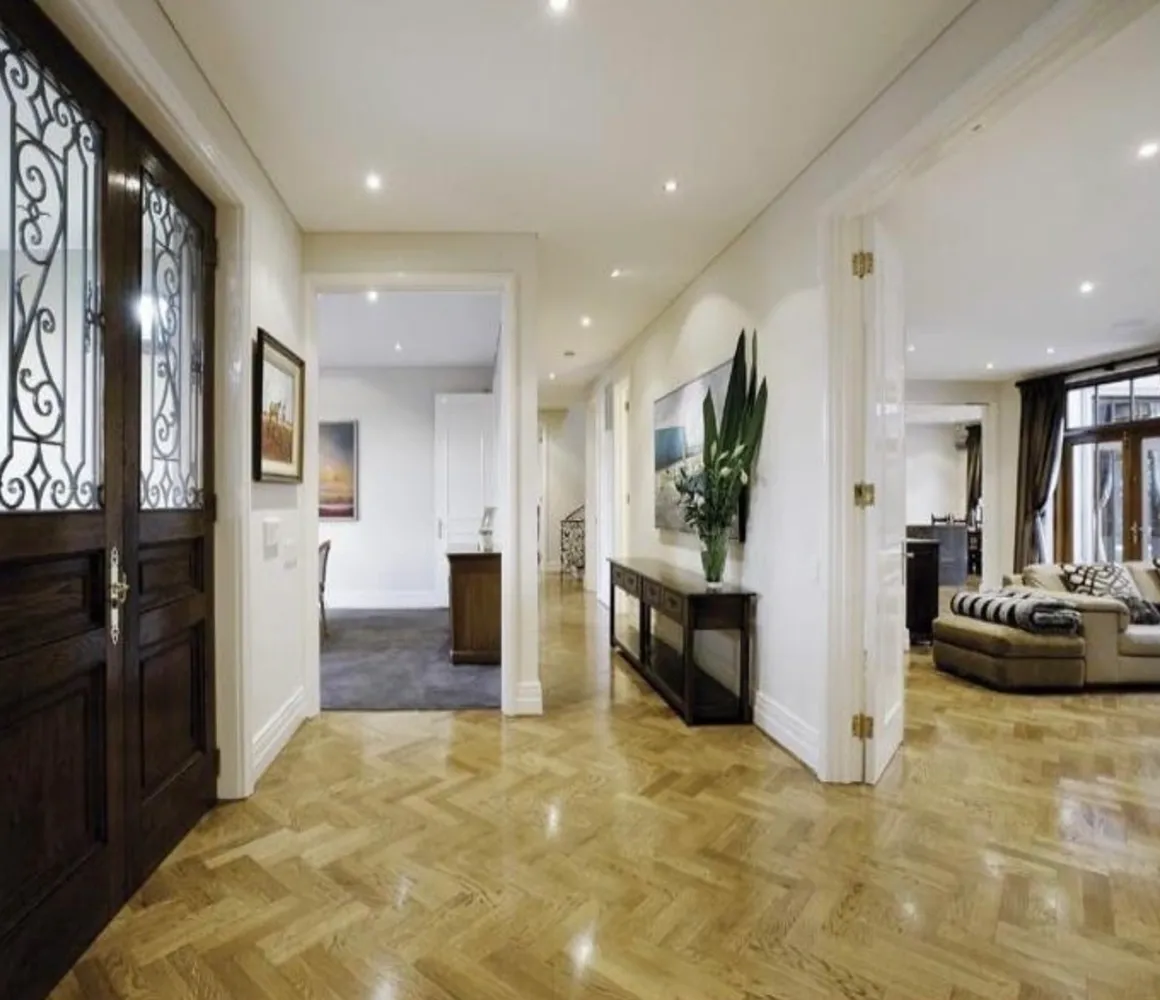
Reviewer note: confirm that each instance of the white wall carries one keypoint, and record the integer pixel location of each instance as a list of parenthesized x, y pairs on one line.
[(565, 439), (263, 604), (509, 262), (387, 558), (769, 280), (936, 473)]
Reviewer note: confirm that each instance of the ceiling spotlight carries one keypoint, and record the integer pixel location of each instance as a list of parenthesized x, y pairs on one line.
[(585, 321), (569, 354), (670, 186), (558, 6), (990, 366), (398, 346), (1148, 150), (372, 296), (374, 182), (1051, 350), (551, 376), (910, 349), (1087, 287), (616, 272)]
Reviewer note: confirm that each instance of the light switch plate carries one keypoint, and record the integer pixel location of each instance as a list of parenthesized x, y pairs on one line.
[(271, 529)]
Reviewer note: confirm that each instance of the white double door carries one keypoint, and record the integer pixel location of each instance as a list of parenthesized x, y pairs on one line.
[(465, 473)]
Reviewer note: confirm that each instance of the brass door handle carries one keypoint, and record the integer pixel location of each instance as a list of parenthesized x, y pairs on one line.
[(118, 594)]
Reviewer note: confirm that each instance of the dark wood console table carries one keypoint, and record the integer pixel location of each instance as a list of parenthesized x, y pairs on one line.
[(682, 597)]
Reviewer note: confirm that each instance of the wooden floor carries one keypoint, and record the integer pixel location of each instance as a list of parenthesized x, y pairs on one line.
[(1012, 853)]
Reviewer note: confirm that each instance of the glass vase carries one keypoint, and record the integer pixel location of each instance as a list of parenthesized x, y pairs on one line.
[(714, 548)]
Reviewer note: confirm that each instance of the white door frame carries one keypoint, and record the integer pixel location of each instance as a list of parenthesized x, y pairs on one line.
[(1066, 32), (605, 521), (506, 479)]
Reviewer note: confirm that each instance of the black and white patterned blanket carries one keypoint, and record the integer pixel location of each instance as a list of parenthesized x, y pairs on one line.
[(1029, 612)]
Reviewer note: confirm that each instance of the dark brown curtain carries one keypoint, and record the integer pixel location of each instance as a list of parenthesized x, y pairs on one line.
[(974, 470), (1040, 440)]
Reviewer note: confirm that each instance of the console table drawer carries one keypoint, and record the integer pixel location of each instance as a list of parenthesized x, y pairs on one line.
[(626, 581), (651, 593), (672, 606)]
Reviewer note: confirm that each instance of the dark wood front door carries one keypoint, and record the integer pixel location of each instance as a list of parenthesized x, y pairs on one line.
[(106, 671)]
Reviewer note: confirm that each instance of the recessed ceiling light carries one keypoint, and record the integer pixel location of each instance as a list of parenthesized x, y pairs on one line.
[(558, 6), (372, 296), (616, 272), (910, 349), (398, 346), (1087, 287), (551, 376), (1148, 150), (990, 366), (670, 185), (585, 321), (1051, 350), (374, 182), (569, 354)]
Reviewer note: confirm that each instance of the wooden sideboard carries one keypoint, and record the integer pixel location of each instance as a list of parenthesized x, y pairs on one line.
[(682, 597), (476, 608)]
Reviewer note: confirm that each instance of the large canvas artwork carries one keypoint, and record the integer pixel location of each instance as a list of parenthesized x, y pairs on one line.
[(279, 402), (338, 470), (678, 436)]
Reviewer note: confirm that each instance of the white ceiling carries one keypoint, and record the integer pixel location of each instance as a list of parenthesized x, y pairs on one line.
[(998, 237), (498, 116), (408, 329)]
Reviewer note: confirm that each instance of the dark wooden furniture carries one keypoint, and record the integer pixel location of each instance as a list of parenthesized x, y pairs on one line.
[(107, 507), (952, 553), (695, 695), (974, 551), (323, 561), (921, 588), (476, 611)]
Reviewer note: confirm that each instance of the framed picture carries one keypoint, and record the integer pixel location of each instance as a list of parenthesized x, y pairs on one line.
[(678, 437), (338, 470), (279, 406)]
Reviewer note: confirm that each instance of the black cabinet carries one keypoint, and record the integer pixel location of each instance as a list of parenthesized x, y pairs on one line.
[(922, 572)]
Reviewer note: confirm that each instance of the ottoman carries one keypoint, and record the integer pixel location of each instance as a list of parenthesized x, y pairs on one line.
[(1007, 658)]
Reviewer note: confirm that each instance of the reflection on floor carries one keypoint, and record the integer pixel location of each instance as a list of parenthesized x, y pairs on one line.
[(398, 660), (1011, 853)]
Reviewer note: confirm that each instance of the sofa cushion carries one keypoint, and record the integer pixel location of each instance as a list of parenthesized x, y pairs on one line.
[(1110, 580), (1140, 640), (1147, 578), (1044, 576), (1029, 610), (1000, 640)]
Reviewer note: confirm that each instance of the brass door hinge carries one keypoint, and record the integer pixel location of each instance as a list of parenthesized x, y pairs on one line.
[(862, 726), (864, 494), (862, 263)]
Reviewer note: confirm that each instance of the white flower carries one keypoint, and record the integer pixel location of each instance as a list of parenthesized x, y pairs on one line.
[(744, 478), (738, 450)]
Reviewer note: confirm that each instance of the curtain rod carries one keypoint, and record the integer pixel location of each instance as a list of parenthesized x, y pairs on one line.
[(1110, 366)]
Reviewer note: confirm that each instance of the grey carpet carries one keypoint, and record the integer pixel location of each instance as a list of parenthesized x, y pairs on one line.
[(399, 660)]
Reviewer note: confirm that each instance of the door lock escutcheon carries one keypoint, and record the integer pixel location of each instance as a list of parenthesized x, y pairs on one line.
[(118, 594)]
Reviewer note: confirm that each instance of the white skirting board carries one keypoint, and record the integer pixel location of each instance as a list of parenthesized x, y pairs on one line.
[(274, 735), (383, 600), (529, 699), (787, 730)]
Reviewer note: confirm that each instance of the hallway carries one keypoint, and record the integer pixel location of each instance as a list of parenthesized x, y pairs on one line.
[(1011, 853)]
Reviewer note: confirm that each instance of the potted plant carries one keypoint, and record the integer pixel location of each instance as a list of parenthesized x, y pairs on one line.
[(710, 493)]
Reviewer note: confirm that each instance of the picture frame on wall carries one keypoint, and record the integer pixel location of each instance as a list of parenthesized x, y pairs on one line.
[(338, 470), (279, 407)]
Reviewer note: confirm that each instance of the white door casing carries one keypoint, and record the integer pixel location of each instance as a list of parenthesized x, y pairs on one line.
[(465, 462), (884, 562), (606, 482)]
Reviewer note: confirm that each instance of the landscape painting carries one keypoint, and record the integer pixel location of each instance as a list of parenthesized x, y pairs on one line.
[(678, 437), (278, 408), (338, 470)]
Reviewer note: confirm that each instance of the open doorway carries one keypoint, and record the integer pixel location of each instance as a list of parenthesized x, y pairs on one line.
[(409, 596), (612, 481)]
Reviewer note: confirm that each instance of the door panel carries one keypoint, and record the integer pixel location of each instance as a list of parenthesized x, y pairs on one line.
[(171, 768), (1146, 521), (61, 763), (885, 558)]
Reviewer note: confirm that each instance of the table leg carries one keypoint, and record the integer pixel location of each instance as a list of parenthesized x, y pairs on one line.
[(746, 706), (644, 626), (612, 613), (690, 668)]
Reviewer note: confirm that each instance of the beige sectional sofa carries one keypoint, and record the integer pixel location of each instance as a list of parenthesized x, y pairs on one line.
[(1110, 651)]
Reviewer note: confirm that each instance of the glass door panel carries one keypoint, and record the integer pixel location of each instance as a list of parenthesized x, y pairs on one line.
[(1096, 521), (1146, 527)]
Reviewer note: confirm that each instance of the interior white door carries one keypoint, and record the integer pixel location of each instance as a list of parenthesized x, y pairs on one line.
[(606, 476), (885, 536), (464, 473)]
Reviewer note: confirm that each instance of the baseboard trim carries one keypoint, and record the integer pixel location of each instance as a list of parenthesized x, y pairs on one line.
[(529, 699), (384, 600), (788, 730), (270, 740)]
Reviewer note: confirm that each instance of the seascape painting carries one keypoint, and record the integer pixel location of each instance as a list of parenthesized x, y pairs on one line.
[(338, 470)]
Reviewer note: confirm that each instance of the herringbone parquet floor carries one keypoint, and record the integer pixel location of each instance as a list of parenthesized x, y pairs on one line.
[(1012, 853)]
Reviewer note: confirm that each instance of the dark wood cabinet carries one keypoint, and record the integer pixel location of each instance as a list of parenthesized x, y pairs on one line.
[(922, 580), (681, 597), (476, 608)]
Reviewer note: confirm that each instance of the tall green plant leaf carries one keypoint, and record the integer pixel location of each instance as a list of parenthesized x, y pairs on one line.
[(711, 444), (734, 412)]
